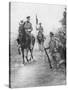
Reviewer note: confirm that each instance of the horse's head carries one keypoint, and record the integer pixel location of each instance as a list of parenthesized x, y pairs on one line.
[(18, 41), (40, 35)]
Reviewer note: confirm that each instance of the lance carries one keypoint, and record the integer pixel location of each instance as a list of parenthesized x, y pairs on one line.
[(48, 57), (36, 22)]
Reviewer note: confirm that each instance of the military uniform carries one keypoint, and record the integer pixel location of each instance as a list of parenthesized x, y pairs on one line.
[(40, 29), (28, 28), (52, 46), (53, 51), (40, 32), (40, 38)]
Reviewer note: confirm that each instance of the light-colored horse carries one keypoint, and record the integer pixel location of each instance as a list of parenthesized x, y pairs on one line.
[(40, 39)]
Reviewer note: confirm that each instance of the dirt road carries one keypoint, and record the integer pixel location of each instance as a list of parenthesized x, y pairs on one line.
[(35, 73)]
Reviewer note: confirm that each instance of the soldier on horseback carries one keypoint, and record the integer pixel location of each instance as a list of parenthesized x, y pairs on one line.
[(25, 39), (40, 36), (28, 26), (20, 33), (40, 28)]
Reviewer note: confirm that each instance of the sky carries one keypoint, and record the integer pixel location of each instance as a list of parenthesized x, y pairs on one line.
[(48, 14)]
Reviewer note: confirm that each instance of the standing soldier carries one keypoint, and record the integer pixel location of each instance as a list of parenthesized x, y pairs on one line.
[(55, 49), (28, 26), (52, 49)]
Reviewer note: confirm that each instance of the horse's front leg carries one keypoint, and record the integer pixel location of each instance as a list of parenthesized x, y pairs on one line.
[(23, 56), (39, 46), (31, 51), (19, 50), (42, 46), (27, 55)]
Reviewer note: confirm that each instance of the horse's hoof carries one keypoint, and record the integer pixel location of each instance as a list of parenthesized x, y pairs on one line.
[(23, 63), (28, 61), (50, 67), (33, 60), (19, 53)]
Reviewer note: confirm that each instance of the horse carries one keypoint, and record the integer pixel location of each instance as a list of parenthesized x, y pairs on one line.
[(26, 43), (40, 39)]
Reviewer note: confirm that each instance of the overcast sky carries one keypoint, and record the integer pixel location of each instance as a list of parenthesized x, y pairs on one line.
[(48, 14)]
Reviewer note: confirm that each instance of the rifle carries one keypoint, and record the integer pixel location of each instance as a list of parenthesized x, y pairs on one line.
[(48, 57)]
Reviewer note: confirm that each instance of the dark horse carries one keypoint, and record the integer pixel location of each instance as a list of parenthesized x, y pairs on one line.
[(26, 42), (40, 39)]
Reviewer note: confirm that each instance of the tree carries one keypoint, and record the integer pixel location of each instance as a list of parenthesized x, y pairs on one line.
[(63, 21)]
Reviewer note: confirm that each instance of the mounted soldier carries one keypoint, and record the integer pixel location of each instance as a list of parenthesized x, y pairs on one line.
[(27, 40), (40, 36), (20, 34), (40, 28), (28, 26)]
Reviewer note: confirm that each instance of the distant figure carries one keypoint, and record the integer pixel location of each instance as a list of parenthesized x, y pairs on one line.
[(40, 37), (20, 29), (20, 34), (40, 28)]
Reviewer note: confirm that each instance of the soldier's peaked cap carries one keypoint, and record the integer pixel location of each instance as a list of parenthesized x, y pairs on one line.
[(51, 33), (28, 17)]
